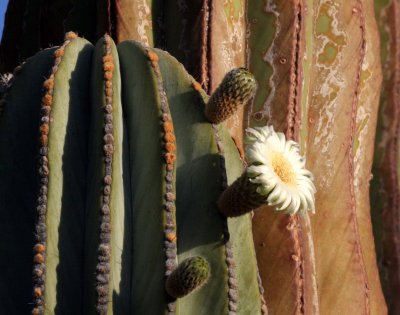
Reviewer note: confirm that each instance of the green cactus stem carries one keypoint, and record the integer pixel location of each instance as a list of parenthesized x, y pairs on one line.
[(191, 275), (130, 172), (236, 89)]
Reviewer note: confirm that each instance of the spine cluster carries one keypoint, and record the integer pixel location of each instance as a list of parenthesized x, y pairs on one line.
[(39, 267), (236, 89), (169, 155), (104, 249)]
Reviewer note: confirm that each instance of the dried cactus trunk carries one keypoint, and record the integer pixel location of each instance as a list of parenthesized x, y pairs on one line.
[(330, 106)]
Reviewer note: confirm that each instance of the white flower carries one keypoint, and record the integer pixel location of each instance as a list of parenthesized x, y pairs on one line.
[(277, 168)]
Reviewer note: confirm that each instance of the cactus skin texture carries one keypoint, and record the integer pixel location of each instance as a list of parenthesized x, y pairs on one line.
[(236, 89), (190, 275), (123, 200)]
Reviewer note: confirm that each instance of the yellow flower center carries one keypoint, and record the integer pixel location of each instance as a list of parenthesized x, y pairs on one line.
[(283, 169)]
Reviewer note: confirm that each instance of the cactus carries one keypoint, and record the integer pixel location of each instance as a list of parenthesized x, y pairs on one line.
[(301, 53), (123, 198)]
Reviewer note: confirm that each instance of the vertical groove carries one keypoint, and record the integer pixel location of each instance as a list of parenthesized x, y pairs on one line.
[(205, 45), (360, 11), (104, 249), (210, 82), (39, 266), (169, 155), (292, 133)]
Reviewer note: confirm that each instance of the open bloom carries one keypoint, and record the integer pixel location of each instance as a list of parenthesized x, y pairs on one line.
[(276, 167)]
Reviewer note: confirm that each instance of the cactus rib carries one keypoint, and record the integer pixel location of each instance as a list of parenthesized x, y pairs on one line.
[(170, 157), (104, 249), (229, 258), (233, 294), (39, 267)]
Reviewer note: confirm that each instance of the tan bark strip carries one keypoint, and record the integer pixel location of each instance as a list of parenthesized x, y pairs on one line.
[(169, 155), (39, 265), (104, 250), (360, 11)]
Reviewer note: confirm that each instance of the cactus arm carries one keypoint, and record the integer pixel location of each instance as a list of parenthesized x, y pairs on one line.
[(19, 125), (67, 158), (142, 108)]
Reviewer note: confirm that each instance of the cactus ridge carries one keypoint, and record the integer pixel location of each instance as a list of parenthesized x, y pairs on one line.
[(236, 89), (191, 274), (39, 267), (104, 248), (233, 294), (169, 154)]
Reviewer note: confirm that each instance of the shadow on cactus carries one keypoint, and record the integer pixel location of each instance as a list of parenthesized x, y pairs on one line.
[(120, 191)]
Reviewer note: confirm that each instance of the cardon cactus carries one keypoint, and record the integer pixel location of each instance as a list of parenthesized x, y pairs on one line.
[(318, 72), (106, 151)]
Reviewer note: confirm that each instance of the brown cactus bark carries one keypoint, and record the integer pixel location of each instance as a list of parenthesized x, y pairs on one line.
[(323, 91)]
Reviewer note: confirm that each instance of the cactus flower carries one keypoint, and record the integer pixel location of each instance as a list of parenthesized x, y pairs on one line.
[(278, 169), (275, 175)]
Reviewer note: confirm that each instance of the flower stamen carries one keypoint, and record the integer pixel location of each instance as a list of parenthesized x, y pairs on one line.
[(283, 169)]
